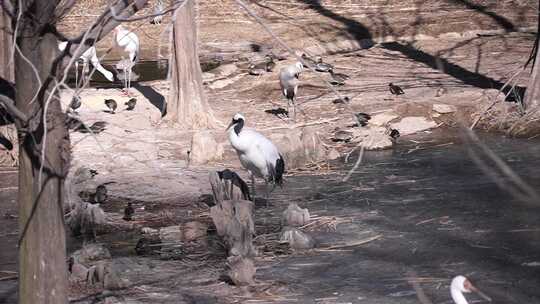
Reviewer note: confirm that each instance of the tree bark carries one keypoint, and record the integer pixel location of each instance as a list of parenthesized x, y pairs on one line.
[(42, 251), (6, 71), (187, 104), (532, 94)]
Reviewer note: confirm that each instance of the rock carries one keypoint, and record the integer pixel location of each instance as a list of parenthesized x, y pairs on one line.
[(86, 219), (444, 108), (382, 119), (194, 230), (342, 135), (372, 138), (225, 70), (91, 253), (112, 300), (296, 239), (413, 124), (204, 148), (78, 272), (314, 150), (294, 216), (148, 230), (220, 84), (333, 154), (171, 234), (241, 270), (290, 146)]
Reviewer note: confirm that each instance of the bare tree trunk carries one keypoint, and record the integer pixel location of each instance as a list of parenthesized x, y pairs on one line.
[(42, 252), (532, 94), (6, 72), (187, 103)]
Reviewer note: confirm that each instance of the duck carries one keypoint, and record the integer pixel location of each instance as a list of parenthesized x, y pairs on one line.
[(395, 90)]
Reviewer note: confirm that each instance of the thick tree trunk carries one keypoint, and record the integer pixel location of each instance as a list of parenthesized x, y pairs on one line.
[(532, 94), (42, 252), (187, 103)]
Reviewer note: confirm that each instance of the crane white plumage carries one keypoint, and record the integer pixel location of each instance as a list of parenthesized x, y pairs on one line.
[(288, 80), (89, 55), (129, 43), (460, 285), (257, 154)]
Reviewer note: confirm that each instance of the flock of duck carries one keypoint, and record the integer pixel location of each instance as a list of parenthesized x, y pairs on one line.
[(257, 154)]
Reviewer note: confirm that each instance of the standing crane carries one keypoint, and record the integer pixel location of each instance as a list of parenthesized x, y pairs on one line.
[(257, 154), (89, 56), (288, 80), (129, 43)]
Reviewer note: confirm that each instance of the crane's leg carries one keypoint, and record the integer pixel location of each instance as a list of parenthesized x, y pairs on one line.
[(267, 193), (253, 187), (129, 79), (125, 79), (76, 74)]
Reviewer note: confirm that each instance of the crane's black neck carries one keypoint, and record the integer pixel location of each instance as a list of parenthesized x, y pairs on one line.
[(239, 124)]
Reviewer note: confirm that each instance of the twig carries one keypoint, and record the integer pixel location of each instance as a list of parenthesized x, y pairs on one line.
[(362, 242), (358, 161)]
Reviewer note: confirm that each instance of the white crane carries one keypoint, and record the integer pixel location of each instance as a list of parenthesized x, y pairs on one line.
[(460, 285), (89, 55), (129, 43), (288, 80), (257, 154)]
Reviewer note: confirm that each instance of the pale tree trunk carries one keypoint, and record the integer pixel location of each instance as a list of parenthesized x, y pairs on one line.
[(6, 71), (42, 252), (187, 104), (532, 94)]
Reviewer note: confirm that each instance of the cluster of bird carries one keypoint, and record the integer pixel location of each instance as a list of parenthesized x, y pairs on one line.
[(125, 40)]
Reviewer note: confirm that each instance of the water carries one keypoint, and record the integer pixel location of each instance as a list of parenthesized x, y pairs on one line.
[(437, 215)]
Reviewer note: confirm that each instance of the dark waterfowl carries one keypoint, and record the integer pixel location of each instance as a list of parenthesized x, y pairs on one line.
[(111, 104), (362, 119), (101, 194), (345, 99), (75, 102), (131, 104), (337, 78), (321, 66), (394, 134), (395, 90), (128, 212)]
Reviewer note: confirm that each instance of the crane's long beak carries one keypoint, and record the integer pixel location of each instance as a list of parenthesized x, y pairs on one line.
[(479, 292), (229, 126)]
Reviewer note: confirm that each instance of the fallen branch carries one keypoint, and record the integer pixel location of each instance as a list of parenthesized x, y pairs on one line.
[(362, 242)]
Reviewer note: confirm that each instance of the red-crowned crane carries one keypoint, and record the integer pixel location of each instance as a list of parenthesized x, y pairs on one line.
[(288, 80), (460, 285), (257, 154)]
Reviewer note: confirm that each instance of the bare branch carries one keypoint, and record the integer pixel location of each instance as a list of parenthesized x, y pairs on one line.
[(63, 7), (172, 8), (7, 7), (105, 23), (9, 104)]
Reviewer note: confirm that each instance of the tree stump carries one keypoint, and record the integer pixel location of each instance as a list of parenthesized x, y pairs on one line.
[(227, 185), (234, 223), (294, 216)]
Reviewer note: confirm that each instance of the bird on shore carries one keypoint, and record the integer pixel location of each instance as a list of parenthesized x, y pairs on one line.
[(311, 62), (131, 104), (75, 102), (111, 104), (460, 285), (100, 196), (345, 99), (337, 78), (288, 80), (158, 9), (128, 212), (395, 90), (394, 134), (235, 180), (96, 128), (270, 64), (362, 119), (89, 56), (129, 43), (321, 66), (257, 154)]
